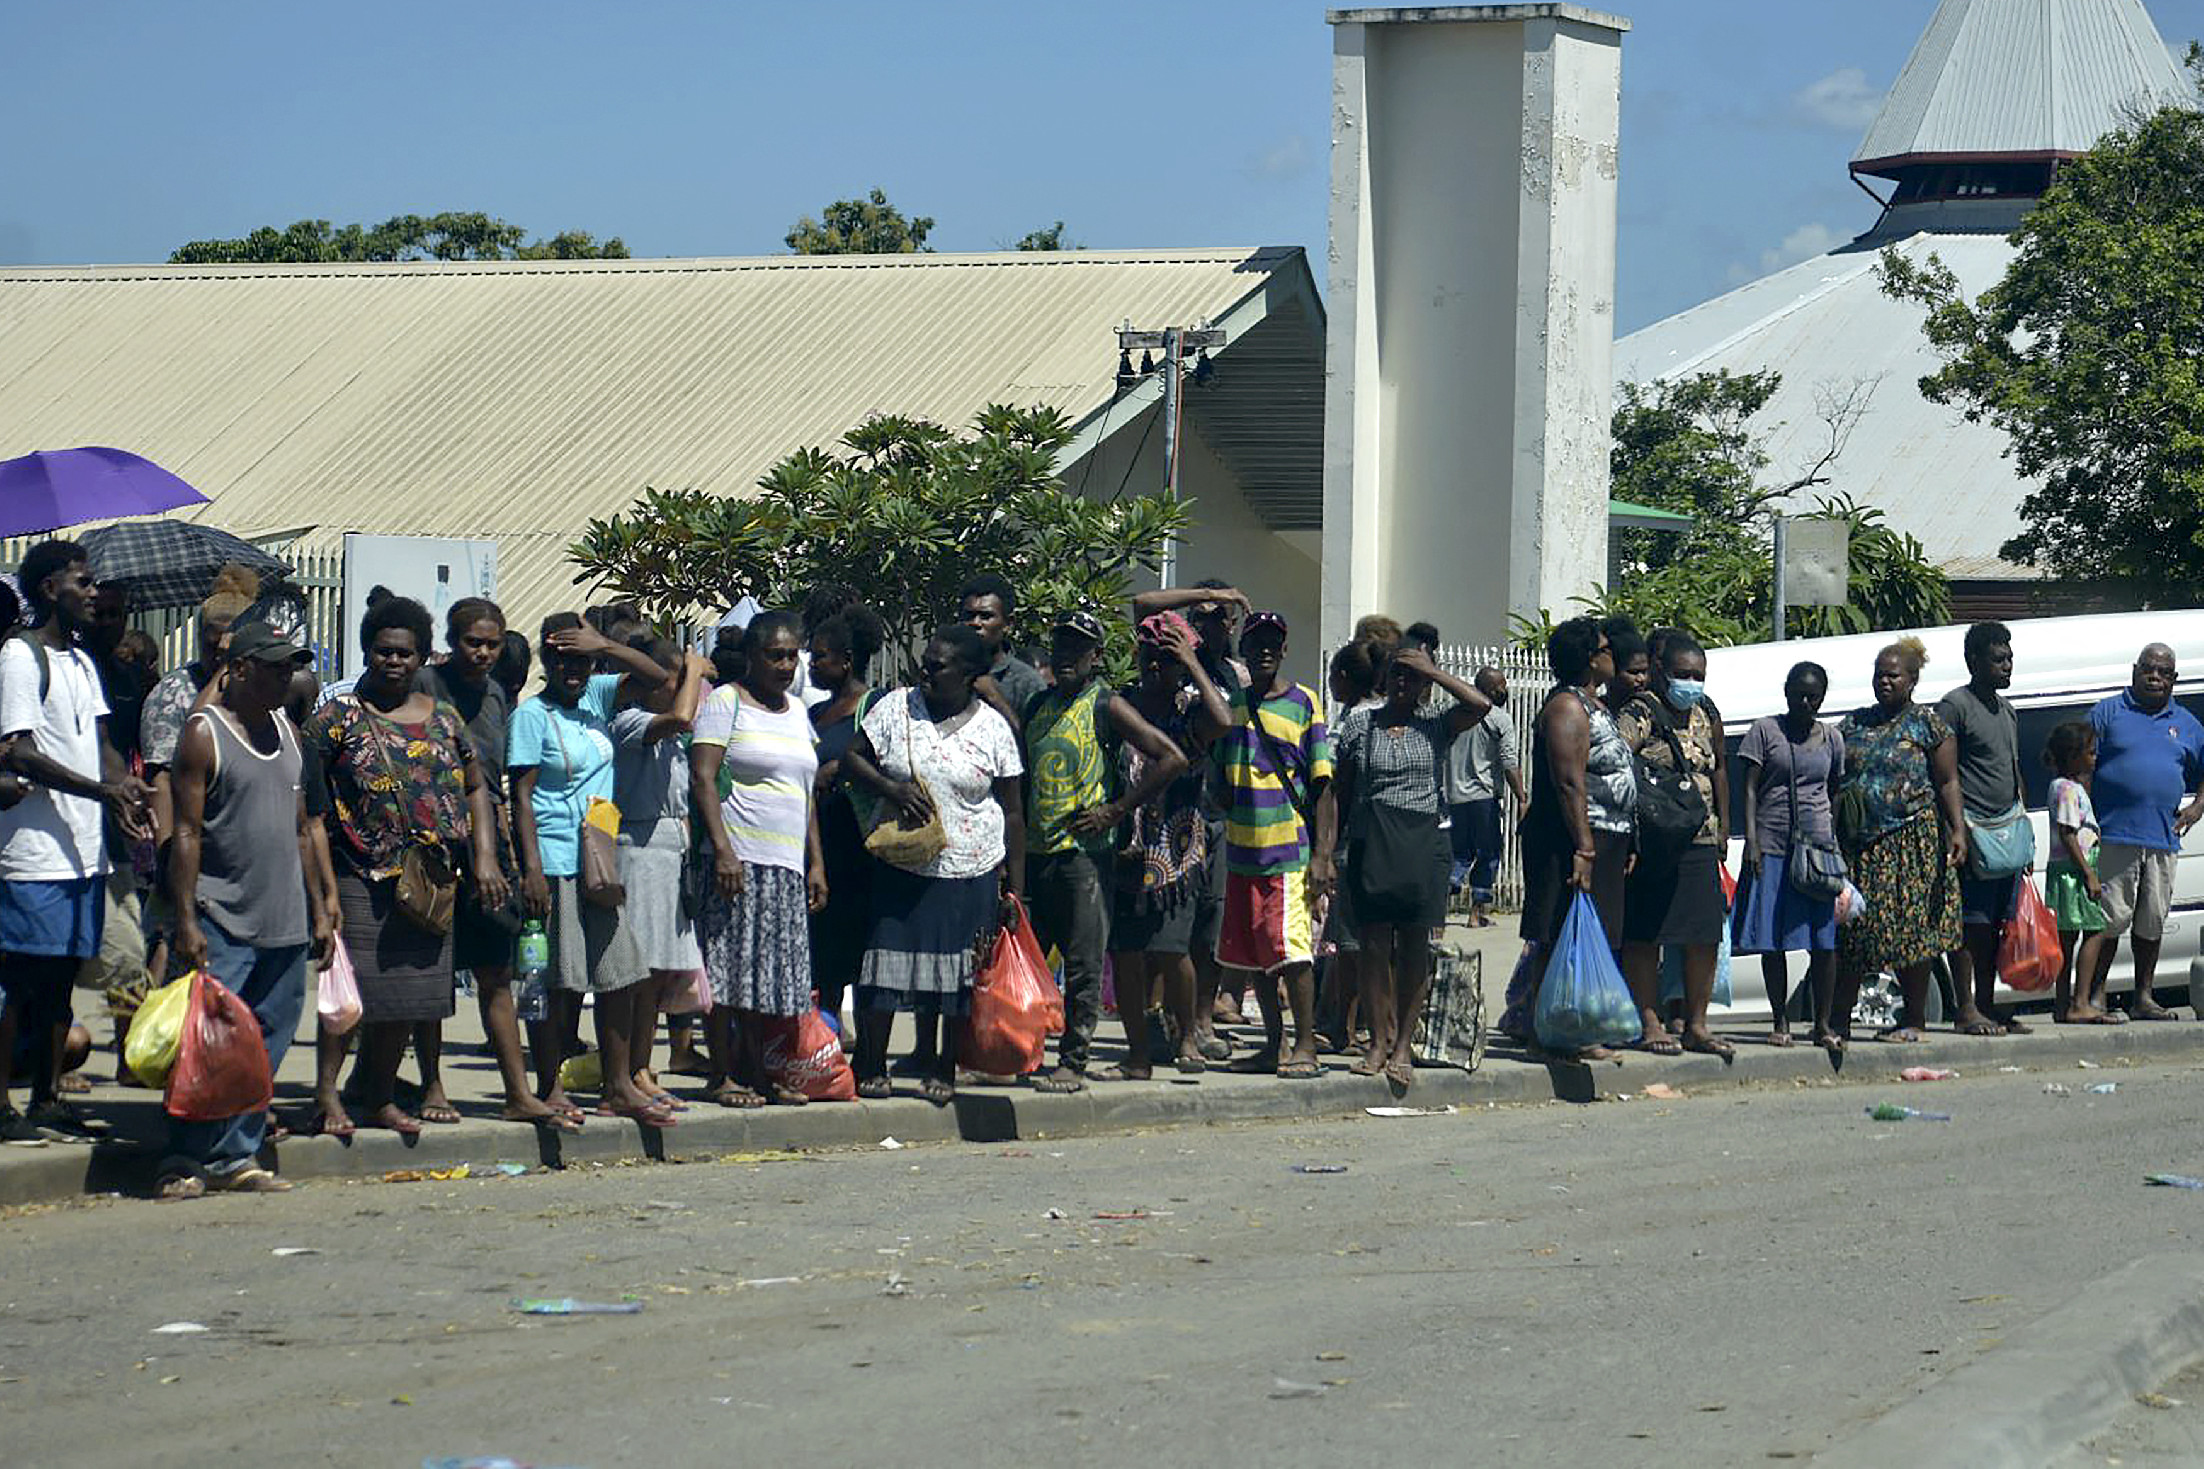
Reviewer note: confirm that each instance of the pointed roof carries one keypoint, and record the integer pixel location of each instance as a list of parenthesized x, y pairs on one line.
[(2020, 79)]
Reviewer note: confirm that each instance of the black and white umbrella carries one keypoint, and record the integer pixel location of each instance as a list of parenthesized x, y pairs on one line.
[(171, 563)]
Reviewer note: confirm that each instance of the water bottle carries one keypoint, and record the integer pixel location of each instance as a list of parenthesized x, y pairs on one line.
[(535, 951)]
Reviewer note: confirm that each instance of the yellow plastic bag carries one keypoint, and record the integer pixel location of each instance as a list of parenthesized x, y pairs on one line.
[(583, 1073), (157, 1032)]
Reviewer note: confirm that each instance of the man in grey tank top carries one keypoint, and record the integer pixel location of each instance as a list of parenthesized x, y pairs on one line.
[(237, 870)]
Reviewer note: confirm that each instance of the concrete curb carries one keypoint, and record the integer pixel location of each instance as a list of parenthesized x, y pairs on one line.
[(986, 1114), (2054, 1382)]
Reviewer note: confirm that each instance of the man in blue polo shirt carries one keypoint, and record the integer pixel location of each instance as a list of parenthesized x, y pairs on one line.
[(2150, 755)]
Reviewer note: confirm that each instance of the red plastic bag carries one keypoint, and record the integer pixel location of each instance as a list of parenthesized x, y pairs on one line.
[(1729, 885), (222, 1066), (1016, 1006), (2029, 958), (803, 1054)]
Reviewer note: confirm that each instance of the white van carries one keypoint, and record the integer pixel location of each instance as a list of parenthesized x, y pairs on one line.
[(2061, 667)]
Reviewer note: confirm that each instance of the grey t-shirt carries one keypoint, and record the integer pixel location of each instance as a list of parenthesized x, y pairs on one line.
[(1769, 748), (1989, 751), (1019, 681), (650, 779)]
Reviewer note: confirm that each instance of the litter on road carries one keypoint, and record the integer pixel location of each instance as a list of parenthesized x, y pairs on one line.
[(179, 1328), (1285, 1388), (1320, 1168), (285, 1252), (1446, 1111), (2103, 1088), (1927, 1073), (1661, 1091), (1892, 1112), (2057, 1089), (890, 1144), (2173, 1180), (568, 1306)]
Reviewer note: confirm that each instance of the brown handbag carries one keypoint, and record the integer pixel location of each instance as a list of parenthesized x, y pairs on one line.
[(427, 890), (908, 847), (599, 878)]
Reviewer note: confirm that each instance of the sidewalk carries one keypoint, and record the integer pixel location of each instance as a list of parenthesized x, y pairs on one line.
[(127, 1163)]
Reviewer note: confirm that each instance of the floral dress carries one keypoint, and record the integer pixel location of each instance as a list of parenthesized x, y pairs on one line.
[(393, 784), (1894, 843)]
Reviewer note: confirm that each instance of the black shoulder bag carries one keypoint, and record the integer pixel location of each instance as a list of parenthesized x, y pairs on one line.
[(1814, 869), (1671, 812)]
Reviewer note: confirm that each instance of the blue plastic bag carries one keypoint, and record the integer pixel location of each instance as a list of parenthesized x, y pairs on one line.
[(1672, 971), (1582, 1001)]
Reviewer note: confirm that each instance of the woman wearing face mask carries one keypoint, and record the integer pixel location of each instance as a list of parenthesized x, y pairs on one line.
[(1675, 897), (1904, 834), (1792, 762)]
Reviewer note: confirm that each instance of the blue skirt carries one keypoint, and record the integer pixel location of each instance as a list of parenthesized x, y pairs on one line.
[(1771, 917)]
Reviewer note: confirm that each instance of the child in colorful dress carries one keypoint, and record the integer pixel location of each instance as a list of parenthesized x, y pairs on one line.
[(2070, 886)]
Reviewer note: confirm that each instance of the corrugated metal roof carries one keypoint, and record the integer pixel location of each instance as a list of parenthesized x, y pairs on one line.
[(2021, 77), (1826, 325), (516, 399)]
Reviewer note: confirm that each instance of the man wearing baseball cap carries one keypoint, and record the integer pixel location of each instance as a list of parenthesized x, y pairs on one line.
[(237, 870), (1072, 735), (1276, 758)]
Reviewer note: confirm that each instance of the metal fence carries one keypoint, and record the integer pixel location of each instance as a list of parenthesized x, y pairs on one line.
[(316, 576), (1527, 683)]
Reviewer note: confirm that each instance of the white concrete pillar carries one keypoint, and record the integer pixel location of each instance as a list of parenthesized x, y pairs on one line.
[(1471, 310)]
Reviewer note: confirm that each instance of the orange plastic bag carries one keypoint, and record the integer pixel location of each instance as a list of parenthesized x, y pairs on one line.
[(1729, 885), (1016, 1006), (2029, 958), (222, 1066), (803, 1054)]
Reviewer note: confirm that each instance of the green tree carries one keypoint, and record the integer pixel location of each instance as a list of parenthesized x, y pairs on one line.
[(448, 236), (905, 511), (2086, 354), (1051, 238), (868, 226), (1690, 445)]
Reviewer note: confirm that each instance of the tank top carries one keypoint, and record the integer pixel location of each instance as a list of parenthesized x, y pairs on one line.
[(249, 878), (1610, 783)]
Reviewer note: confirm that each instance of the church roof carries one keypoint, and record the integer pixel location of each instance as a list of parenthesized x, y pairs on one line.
[(2020, 79)]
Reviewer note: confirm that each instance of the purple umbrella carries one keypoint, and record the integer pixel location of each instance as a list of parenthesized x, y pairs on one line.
[(59, 487)]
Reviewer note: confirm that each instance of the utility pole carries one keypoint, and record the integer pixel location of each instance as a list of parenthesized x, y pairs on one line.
[(1176, 343), (1782, 558)]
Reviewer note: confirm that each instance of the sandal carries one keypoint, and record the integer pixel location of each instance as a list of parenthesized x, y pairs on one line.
[(251, 1179), (871, 1089), (1300, 1070), (941, 1093), (1899, 1035), (735, 1094), (786, 1096), (179, 1186), (2151, 1011), (320, 1125), (1119, 1073), (1193, 1065), (1658, 1043), (1401, 1074), (1061, 1082)]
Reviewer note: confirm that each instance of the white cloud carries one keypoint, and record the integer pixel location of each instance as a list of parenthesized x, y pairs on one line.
[(1842, 99), (1803, 243), (1288, 158)]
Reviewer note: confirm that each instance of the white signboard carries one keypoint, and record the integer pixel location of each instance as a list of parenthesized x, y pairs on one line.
[(433, 571), (1817, 562)]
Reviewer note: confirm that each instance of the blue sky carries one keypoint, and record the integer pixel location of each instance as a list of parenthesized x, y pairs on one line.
[(705, 129)]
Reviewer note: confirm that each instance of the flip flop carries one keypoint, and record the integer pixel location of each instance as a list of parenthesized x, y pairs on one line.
[(319, 1125), (2154, 1012), (1190, 1065), (1899, 1035), (1982, 1028), (1662, 1044), (251, 1180), (739, 1097), (1401, 1074), (1300, 1070), (1118, 1073), (1364, 1066), (1781, 1039), (1060, 1085), (181, 1186), (645, 1116), (443, 1115), (1255, 1063), (1721, 1048)]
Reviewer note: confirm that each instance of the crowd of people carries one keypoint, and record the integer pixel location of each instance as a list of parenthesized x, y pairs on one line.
[(733, 843), (1878, 844)]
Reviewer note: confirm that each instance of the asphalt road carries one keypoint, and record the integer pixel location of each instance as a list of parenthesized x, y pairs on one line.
[(1709, 1280)]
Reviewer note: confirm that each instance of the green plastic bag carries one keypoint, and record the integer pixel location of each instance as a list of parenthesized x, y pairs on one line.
[(157, 1032)]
